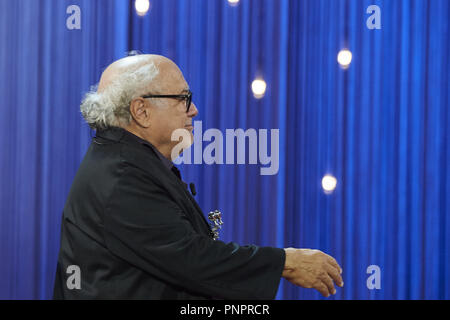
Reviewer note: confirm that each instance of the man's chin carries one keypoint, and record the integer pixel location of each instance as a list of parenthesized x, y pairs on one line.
[(184, 138)]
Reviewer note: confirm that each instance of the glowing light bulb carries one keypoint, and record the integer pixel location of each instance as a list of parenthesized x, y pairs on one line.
[(259, 88), (329, 183), (233, 2), (344, 58), (142, 7)]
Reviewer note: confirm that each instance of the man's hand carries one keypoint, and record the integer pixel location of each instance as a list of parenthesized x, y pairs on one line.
[(312, 269)]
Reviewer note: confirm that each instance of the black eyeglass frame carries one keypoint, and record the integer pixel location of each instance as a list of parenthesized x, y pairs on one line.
[(187, 97)]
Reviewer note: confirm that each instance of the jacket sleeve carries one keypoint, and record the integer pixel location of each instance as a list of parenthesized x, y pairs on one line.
[(145, 227)]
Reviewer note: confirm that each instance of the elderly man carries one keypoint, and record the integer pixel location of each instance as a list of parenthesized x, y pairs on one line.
[(131, 229)]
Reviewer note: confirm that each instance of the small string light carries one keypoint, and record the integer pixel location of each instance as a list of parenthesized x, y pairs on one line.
[(259, 88), (329, 183), (344, 58), (142, 7)]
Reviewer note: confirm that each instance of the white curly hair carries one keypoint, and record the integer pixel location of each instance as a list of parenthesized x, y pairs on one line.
[(111, 106)]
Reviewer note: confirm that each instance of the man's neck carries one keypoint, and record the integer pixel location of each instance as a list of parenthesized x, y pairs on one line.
[(165, 150)]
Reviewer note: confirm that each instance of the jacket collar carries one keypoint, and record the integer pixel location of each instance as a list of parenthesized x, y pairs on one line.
[(119, 134)]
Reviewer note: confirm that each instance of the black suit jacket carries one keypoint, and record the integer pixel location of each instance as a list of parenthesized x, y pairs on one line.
[(135, 232)]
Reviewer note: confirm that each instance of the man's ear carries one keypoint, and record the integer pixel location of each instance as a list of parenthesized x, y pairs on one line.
[(140, 111)]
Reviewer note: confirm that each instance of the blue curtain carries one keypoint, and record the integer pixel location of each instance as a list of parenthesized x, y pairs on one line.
[(380, 127)]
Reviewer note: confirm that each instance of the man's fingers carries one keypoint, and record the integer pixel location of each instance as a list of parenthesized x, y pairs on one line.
[(335, 275), (334, 263), (322, 288), (329, 283)]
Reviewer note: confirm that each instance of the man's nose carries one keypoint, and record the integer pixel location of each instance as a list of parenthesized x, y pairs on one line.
[(193, 111)]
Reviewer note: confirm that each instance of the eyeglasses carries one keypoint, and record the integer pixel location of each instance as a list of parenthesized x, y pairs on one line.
[(187, 97)]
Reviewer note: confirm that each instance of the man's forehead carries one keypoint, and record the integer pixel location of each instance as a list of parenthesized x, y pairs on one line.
[(170, 78)]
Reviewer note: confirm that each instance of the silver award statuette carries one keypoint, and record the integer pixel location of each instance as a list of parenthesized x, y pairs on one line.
[(216, 222)]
